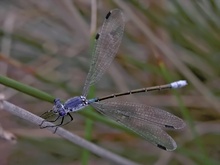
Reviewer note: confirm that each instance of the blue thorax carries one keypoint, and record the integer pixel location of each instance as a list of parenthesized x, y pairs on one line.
[(71, 105)]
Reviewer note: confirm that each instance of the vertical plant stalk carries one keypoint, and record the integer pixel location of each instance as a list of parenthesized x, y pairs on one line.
[(89, 122)]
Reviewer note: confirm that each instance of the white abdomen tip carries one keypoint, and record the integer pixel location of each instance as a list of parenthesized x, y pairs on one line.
[(178, 84)]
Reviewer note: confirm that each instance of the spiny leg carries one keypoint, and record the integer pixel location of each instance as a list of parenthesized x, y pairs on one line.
[(71, 119), (46, 116), (55, 125), (58, 125), (46, 112), (50, 121), (61, 123)]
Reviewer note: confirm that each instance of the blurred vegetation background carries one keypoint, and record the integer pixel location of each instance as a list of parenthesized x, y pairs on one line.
[(47, 44)]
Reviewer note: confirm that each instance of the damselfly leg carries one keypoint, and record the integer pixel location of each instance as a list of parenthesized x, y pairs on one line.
[(56, 119)]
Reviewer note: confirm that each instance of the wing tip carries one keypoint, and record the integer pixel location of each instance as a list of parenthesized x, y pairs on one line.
[(97, 36), (161, 147), (168, 146), (180, 125), (108, 15), (114, 11), (170, 126), (167, 149)]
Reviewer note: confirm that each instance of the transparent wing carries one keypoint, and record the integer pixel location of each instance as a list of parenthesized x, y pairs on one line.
[(48, 114), (106, 47), (144, 120)]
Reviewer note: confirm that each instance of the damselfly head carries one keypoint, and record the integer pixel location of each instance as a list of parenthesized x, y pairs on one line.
[(58, 108)]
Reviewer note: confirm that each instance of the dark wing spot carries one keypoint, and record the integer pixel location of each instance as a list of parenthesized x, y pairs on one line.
[(125, 115), (97, 36), (107, 16), (162, 147), (169, 126)]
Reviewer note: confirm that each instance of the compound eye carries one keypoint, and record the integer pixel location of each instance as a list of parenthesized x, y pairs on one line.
[(56, 100), (58, 106)]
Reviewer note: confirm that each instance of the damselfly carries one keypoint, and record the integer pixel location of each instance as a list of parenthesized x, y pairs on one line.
[(144, 120)]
